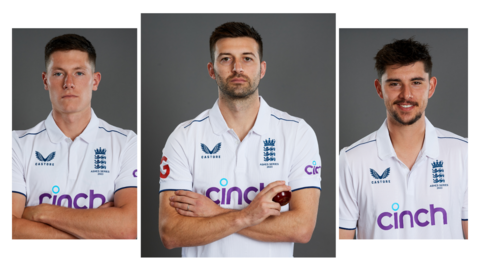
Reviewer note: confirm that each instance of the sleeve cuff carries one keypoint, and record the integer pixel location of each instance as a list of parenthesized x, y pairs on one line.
[(19, 188), (123, 183), (305, 183), (175, 185), (465, 214), (347, 224)]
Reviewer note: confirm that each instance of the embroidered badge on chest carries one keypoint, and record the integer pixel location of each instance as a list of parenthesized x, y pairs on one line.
[(44, 161), (211, 153), (100, 161), (438, 175), (269, 156), (380, 179)]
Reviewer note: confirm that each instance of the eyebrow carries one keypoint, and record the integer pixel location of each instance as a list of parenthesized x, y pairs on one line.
[(412, 79), (245, 53)]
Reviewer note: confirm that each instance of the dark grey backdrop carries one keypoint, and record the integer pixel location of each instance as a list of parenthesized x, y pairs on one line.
[(300, 79), (362, 111), (115, 101)]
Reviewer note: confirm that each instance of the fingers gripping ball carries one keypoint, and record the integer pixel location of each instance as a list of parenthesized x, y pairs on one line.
[(283, 197)]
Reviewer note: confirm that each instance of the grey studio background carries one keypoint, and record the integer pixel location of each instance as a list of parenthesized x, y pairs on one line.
[(300, 79), (115, 101), (362, 111)]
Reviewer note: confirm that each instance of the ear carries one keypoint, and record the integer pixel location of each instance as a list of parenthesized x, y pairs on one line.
[(378, 86), (211, 71), (263, 69), (97, 77), (433, 85), (44, 79)]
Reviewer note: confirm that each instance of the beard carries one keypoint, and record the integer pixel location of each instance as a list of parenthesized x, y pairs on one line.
[(237, 92), (397, 117)]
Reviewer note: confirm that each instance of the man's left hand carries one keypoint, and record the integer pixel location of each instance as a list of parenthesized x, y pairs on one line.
[(192, 204)]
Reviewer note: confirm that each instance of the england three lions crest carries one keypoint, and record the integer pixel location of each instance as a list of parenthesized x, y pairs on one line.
[(269, 150), (437, 172), (100, 161)]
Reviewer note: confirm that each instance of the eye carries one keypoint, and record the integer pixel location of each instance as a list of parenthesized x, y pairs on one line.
[(56, 74), (393, 84), (417, 82), (248, 59), (79, 73), (225, 59)]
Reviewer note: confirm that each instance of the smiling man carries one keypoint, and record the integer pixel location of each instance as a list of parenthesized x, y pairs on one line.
[(408, 180), (220, 171), (74, 175)]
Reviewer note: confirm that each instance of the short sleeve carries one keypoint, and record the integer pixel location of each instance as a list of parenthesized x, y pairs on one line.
[(175, 172), (127, 177), (306, 162), (18, 175), (348, 206)]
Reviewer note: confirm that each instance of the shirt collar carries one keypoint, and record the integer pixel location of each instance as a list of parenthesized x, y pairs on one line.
[(430, 145), (261, 123), (56, 135)]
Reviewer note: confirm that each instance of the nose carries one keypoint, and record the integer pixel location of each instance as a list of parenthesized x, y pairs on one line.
[(237, 66), (68, 83), (407, 92)]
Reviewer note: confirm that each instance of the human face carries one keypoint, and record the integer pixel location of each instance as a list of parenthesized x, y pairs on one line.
[(70, 80), (237, 68), (405, 91)]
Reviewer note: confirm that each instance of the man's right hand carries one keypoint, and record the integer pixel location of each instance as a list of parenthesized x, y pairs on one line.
[(263, 205)]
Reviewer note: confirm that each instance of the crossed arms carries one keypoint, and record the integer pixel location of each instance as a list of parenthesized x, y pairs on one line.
[(117, 219), (206, 222)]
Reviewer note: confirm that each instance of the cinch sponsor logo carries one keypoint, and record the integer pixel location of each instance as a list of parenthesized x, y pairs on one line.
[(384, 220), (134, 173), (78, 202), (227, 194), (312, 169)]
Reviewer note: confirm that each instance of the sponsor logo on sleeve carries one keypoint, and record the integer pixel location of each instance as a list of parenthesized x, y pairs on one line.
[(312, 169), (135, 173), (164, 168), (44, 161)]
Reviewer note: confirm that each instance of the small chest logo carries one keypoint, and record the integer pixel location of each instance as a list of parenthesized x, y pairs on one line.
[(44, 161), (438, 175), (211, 154), (100, 161), (380, 179), (269, 150), (269, 153)]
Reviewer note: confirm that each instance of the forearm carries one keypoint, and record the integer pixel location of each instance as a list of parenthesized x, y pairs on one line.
[(181, 231), (26, 229), (105, 223), (346, 234)]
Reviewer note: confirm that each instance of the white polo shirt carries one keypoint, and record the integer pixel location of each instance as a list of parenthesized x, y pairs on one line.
[(204, 155), (49, 167), (382, 198)]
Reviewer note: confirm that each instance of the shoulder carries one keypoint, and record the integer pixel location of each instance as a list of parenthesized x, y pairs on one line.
[(451, 142), (191, 127), (361, 148), (283, 118), (115, 133), (29, 133)]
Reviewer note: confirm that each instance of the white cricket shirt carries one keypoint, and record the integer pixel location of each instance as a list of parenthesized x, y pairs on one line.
[(205, 156), (382, 198), (49, 167)]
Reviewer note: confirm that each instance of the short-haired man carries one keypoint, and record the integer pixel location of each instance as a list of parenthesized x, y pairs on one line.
[(408, 179), (219, 171), (74, 175)]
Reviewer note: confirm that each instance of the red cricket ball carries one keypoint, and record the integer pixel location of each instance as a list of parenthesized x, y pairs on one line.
[(282, 197)]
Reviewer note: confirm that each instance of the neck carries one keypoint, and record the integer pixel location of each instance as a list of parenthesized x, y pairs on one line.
[(72, 124), (407, 140), (240, 114)]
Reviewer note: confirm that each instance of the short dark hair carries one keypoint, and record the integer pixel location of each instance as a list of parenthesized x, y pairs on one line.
[(403, 52), (69, 42), (233, 30)]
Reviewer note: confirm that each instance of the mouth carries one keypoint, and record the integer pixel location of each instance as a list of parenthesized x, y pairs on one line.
[(69, 96), (405, 106), (238, 80)]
